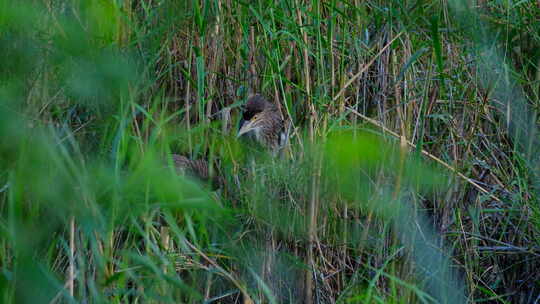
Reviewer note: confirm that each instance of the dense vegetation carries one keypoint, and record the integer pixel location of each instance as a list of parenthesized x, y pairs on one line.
[(411, 175)]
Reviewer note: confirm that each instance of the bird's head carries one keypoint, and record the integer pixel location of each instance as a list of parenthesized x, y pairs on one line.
[(253, 114), (256, 121), (255, 104)]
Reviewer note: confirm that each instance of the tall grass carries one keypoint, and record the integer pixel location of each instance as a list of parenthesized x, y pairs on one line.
[(411, 174)]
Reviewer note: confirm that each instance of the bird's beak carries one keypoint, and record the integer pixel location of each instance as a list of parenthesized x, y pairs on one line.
[(246, 127)]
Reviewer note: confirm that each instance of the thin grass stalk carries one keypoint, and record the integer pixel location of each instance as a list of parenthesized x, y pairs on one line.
[(254, 81), (228, 275), (216, 46), (308, 296), (187, 102), (364, 68), (71, 270), (426, 153)]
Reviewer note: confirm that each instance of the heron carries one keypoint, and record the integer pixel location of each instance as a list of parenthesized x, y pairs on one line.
[(261, 121)]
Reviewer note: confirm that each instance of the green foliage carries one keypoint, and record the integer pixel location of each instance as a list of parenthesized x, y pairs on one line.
[(95, 95)]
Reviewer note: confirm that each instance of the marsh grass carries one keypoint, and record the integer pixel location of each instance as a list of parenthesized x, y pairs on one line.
[(412, 174)]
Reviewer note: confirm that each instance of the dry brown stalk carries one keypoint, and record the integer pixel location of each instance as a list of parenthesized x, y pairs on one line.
[(71, 271), (314, 182), (366, 66), (426, 153), (247, 298)]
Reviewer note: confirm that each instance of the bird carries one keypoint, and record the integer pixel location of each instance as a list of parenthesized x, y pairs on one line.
[(261, 121), (197, 168)]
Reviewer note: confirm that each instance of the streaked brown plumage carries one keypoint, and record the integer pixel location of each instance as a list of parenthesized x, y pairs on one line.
[(262, 122), (196, 168)]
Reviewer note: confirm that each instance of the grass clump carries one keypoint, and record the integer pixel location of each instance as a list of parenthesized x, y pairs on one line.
[(411, 175)]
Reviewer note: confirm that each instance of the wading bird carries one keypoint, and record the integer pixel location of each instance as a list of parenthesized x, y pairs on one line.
[(261, 121)]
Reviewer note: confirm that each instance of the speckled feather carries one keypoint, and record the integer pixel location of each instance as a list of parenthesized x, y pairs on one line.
[(197, 168)]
